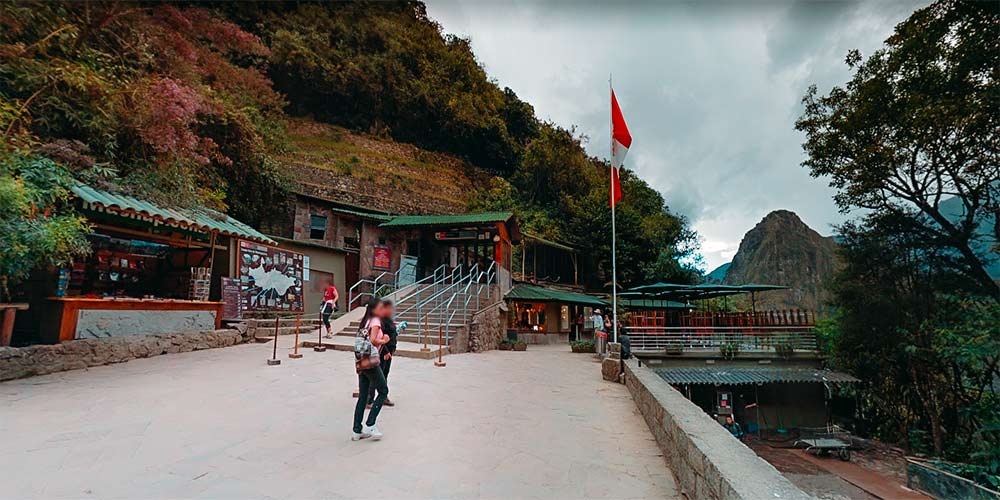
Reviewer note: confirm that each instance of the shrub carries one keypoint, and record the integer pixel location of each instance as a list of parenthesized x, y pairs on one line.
[(582, 346)]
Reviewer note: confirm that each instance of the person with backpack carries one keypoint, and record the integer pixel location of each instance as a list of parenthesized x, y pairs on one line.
[(390, 328), (367, 345)]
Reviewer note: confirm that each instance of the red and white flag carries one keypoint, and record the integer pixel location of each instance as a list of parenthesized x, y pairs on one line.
[(620, 142)]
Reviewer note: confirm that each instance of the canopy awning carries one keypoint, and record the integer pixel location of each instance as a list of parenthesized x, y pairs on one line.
[(198, 219), (740, 376), (531, 293), (681, 292), (457, 220), (641, 303)]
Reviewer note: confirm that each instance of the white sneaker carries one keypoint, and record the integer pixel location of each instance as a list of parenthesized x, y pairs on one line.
[(372, 432), (357, 436)]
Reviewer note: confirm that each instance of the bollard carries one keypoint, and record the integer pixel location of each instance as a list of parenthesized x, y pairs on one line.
[(440, 346), (423, 333), (295, 354), (274, 354), (319, 347)]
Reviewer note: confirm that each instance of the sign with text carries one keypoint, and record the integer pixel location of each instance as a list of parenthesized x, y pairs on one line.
[(231, 298), (270, 278), (383, 257)]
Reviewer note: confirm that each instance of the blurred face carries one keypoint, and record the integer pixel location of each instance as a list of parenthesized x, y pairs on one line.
[(387, 310), (729, 420), (379, 310)]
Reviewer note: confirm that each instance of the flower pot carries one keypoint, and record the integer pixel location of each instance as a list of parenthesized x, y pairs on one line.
[(521, 346), (505, 347)]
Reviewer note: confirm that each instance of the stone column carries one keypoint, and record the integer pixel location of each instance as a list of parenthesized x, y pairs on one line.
[(611, 366)]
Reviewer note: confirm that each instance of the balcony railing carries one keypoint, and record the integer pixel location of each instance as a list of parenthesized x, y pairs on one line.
[(779, 339)]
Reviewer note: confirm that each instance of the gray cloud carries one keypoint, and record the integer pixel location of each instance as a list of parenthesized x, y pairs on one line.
[(710, 90)]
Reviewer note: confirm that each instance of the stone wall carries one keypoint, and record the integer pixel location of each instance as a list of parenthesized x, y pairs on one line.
[(19, 362), (487, 328), (707, 461)]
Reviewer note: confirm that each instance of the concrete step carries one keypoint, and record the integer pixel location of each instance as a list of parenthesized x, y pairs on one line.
[(403, 349)]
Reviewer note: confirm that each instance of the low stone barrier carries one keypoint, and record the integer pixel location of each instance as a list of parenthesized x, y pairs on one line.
[(19, 362), (707, 461)]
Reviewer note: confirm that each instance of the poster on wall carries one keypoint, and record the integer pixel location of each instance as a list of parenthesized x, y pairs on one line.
[(407, 270), (231, 299), (383, 257), (270, 278)]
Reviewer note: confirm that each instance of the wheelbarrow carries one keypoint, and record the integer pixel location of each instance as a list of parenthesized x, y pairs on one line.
[(824, 446)]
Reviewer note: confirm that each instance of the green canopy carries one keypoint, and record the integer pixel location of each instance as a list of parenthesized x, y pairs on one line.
[(682, 292), (531, 293), (198, 219)]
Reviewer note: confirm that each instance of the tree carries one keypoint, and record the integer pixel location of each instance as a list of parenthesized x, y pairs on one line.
[(919, 123), (38, 226)]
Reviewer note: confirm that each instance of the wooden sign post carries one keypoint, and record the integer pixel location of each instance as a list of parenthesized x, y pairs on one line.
[(439, 362), (274, 361), (295, 352)]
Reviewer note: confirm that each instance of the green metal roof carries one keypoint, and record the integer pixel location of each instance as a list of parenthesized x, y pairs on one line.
[(675, 291), (740, 376), (531, 293), (448, 220), (640, 303), (197, 219), (363, 215), (549, 243)]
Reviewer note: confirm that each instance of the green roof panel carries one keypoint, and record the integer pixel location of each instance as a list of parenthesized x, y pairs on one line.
[(448, 220), (531, 293), (740, 376), (199, 218)]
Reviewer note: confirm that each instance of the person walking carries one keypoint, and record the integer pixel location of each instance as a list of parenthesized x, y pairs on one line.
[(390, 328), (330, 298), (370, 375)]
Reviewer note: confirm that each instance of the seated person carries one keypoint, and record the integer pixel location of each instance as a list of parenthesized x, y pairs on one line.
[(734, 428)]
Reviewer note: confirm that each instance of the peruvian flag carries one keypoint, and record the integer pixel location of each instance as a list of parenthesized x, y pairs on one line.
[(620, 142)]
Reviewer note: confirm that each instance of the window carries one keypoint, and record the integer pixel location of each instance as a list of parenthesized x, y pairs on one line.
[(317, 227)]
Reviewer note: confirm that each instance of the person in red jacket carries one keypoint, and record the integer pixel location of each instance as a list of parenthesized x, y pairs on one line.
[(330, 297)]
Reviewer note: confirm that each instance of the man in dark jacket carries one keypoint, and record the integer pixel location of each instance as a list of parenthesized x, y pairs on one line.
[(389, 328)]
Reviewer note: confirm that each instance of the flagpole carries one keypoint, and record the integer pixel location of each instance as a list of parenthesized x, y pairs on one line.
[(614, 262)]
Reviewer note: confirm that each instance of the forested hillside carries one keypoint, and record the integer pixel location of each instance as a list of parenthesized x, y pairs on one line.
[(212, 103)]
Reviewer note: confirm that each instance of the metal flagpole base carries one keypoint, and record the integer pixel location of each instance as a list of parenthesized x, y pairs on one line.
[(273, 362), (440, 363), (320, 348), (294, 355)]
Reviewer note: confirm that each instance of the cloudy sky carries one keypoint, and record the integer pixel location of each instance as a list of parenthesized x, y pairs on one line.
[(710, 91)]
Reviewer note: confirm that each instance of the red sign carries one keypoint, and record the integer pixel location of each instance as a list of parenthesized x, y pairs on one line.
[(383, 257)]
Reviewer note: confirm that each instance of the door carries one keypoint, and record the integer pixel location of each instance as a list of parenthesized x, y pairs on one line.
[(352, 270)]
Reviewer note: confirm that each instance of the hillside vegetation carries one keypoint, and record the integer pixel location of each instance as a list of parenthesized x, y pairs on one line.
[(234, 105)]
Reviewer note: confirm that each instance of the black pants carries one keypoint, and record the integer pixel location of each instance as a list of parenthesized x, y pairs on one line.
[(370, 380), (327, 312), (385, 364)]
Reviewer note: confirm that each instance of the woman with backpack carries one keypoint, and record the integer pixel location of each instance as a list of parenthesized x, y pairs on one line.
[(367, 345)]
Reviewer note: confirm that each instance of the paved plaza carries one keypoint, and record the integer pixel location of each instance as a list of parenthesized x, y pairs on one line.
[(222, 424)]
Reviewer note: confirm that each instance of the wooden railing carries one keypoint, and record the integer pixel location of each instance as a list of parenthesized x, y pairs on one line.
[(784, 317)]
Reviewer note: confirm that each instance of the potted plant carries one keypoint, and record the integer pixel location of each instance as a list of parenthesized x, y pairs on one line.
[(506, 345), (582, 346), (520, 345)]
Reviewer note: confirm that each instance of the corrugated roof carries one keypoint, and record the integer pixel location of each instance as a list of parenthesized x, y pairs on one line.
[(739, 376), (639, 303), (198, 219), (363, 215), (550, 243), (448, 220), (531, 293)]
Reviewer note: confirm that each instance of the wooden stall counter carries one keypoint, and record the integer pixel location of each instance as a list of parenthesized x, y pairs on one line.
[(81, 318)]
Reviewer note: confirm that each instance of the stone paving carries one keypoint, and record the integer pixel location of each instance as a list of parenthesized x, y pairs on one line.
[(222, 424)]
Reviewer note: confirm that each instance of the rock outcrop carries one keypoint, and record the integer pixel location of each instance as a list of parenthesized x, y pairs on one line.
[(783, 250)]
